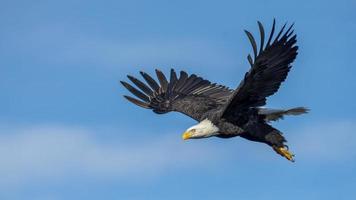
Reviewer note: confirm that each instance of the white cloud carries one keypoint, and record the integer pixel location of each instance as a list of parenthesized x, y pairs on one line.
[(56, 152), (37, 153)]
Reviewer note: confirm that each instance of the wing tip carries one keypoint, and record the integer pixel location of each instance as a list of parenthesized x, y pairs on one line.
[(123, 83), (131, 77), (137, 102)]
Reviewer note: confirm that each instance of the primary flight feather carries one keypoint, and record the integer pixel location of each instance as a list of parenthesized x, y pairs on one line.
[(223, 112)]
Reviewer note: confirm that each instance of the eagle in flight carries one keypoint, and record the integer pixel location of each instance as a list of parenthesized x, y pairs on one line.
[(223, 112)]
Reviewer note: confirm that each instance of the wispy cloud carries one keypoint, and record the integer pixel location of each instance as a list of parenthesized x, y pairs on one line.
[(47, 152)]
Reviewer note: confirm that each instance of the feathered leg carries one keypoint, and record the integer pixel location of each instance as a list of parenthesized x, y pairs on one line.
[(262, 132), (277, 142)]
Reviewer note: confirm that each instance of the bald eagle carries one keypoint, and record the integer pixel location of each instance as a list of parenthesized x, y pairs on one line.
[(223, 112)]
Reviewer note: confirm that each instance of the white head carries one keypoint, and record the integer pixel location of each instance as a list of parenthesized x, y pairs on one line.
[(202, 130)]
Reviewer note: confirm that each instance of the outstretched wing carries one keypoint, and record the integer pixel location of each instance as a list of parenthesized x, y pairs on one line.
[(188, 94), (269, 68)]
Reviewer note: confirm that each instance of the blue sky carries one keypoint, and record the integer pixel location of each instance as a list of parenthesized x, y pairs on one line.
[(67, 133)]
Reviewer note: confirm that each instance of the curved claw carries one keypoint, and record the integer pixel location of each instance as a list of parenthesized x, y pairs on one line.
[(285, 153)]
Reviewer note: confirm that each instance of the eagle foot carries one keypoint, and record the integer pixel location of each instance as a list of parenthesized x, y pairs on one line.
[(283, 151)]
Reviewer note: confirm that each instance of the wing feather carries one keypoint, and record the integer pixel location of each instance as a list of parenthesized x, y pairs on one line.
[(268, 70), (262, 33), (140, 85), (182, 78), (162, 80), (188, 94), (272, 32), (134, 91), (151, 82), (253, 42), (137, 102)]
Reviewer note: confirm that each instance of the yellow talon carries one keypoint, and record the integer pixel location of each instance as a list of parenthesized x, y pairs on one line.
[(284, 152)]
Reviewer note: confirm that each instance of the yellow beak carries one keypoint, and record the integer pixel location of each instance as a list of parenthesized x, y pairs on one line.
[(186, 135)]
